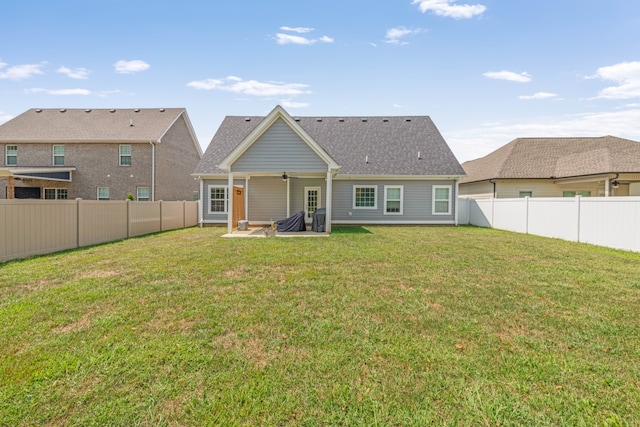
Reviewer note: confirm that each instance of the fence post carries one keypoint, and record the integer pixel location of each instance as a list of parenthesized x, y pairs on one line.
[(78, 222), (184, 214), (128, 219), (579, 206), (526, 215), (161, 226)]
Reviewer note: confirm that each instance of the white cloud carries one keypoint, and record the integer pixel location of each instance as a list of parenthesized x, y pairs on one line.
[(296, 39), (292, 104), (21, 72), (627, 77), (299, 30), (251, 87), (4, 117), (539, 95), (127, 67), (469, 144), (83, 92), (449, 9), (290, 39), (78, 73), (508, 75), (395, 35)]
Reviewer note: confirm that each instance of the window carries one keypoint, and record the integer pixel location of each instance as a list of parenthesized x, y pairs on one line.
[(364, 197), (58, 155), (125, 155), (393, 199), (103, 193), (217, 199), (441, 200), (196, 196), (523, 194), (11, 155), (55, 193), (144, 195), (576, 193)]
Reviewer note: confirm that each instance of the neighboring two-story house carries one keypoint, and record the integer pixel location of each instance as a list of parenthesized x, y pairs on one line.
[(103, 154)]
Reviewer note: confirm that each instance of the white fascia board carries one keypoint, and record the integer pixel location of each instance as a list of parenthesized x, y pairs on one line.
[(340, 177), (392, 222)]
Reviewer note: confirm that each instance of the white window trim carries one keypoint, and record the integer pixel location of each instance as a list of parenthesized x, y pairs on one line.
[(146, 199), (6, 155), (375, 199), (53, 153), (98, 193), (524, 190), (433, 199), (130, 155), (401, 187), (56, 190), (226, 199)]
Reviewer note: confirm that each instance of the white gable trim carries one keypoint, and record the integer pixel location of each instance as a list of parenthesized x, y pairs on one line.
[(277, 113)]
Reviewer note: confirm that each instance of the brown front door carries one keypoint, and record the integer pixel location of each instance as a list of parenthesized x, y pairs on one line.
[(238, 205)]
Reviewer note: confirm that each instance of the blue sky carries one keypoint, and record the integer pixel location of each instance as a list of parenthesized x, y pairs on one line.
[(486, 71)]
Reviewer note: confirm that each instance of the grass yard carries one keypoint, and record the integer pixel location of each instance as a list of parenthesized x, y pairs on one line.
[(386, 326)]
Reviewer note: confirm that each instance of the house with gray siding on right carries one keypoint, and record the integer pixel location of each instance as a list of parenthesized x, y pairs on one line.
[(362, 170), (556, 167)]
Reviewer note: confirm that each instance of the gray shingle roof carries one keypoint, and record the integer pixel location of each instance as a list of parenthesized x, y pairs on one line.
[(391, 144), (91, 125), (556, 157)]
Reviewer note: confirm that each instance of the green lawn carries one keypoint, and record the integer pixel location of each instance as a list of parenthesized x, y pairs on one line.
[(372, 326)]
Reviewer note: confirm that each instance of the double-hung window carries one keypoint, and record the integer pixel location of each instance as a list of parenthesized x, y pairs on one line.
[(441, 203), (103, 193), (393, 195), (11, 155), (58, 155), (218, 198), (365, 197), (125, 155), (143, 193), (55, 193)]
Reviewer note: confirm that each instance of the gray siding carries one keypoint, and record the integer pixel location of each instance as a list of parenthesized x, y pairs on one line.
[(417, 203), (279, 149), (297, 192), (267, 199), (206, 199)]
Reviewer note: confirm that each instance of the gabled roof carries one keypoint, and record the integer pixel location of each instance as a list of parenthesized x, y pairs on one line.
[(557, 158), (390, 144), (92, 125)]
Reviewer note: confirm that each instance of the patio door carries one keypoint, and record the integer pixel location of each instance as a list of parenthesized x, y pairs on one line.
[(312, 202)]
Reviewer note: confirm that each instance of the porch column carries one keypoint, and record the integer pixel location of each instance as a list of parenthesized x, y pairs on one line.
[(328, 197), (230, 203), (11, 190)]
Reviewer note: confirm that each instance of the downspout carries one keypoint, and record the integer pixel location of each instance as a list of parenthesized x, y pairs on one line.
[(153, 171), (494, 187), (200, 203), (457, 201)]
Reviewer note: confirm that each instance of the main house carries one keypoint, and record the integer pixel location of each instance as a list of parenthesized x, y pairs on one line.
[(362, 170), (556, 167), (148, 153)]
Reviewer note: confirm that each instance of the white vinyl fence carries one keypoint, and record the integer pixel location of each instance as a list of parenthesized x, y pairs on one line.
[(35, 227), (605, 221)]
